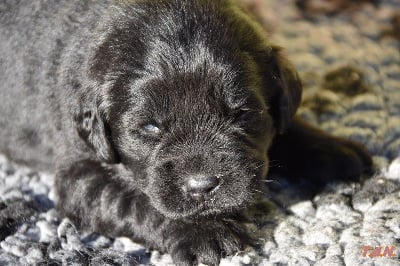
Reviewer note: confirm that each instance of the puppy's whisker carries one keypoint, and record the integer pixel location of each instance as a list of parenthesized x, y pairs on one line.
[(274, 163), (268, 181), (258, 166), (234, 200), (272, 181)]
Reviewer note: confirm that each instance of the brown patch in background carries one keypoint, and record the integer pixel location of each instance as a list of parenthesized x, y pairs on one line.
[(261, 13), (314, 8), (394, 30)]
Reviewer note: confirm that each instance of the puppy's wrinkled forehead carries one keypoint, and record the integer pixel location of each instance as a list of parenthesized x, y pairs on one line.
[(192, 83)]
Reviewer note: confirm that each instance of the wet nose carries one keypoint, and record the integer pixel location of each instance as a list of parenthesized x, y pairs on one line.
[(201, 185)]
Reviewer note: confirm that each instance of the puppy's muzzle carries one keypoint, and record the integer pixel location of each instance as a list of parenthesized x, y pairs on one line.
[(201, 186)]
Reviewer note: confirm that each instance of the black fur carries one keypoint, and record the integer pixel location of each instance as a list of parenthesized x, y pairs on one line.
[(138, 104)]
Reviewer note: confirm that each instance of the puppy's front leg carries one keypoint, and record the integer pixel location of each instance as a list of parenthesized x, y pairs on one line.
[(304, 151), (93, 196)]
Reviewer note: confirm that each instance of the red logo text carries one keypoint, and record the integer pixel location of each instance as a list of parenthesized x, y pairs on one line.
[(377, 252)]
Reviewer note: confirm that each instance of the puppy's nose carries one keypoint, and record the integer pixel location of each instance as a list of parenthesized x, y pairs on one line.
[(200, 185)]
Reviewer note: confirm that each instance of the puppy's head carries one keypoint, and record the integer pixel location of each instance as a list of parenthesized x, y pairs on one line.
[(189, 111)]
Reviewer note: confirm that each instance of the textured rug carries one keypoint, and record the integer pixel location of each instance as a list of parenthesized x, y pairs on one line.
[(349, 59)]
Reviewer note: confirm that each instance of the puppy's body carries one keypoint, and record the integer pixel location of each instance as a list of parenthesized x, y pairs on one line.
[(157, 117), (44, 47)]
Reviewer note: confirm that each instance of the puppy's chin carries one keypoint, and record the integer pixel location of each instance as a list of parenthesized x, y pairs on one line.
[(175, 204), (195, 210)]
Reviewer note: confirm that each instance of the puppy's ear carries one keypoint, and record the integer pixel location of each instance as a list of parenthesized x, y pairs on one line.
[(286, 89), (93, 129)]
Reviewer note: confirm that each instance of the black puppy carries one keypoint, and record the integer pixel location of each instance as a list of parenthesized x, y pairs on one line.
[(159, 117)]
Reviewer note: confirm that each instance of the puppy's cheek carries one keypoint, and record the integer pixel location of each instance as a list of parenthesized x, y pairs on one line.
[(237, 192), (174, 204), (168, 198)]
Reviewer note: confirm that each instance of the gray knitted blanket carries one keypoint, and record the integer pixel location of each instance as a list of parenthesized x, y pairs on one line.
[(350, 65)]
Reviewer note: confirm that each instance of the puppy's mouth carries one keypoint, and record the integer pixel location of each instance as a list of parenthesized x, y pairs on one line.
[(228, 196), (201, 208), (186, 190), (210, 206)]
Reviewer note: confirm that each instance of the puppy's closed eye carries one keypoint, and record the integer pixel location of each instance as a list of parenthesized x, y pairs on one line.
[(151, 129), (247, 116), (251, 121)]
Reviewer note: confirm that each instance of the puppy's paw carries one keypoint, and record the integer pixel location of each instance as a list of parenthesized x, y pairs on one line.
[(205, 242), (306, 152), (337, 159), (351, 159)]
